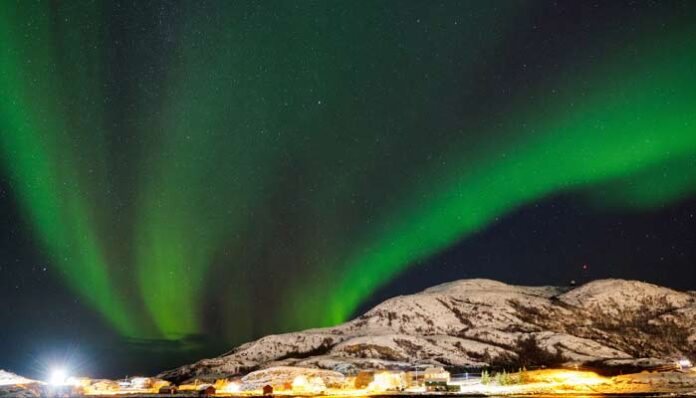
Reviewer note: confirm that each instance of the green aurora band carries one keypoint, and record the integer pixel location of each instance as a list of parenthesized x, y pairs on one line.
[(229, 155)]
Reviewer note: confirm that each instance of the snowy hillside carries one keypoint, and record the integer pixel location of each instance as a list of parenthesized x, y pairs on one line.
[(280, 375), (9, 378), (12, 385), (481, 323)]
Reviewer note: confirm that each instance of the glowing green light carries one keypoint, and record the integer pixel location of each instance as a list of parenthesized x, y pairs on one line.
[(243, 181)]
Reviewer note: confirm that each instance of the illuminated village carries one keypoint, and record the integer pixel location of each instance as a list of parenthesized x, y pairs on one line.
[(419, 345), (292, 381)]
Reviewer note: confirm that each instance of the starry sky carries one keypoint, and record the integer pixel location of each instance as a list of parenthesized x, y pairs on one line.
[(180, 177)]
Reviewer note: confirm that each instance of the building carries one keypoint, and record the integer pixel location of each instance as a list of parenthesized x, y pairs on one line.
[(141, 383), (388, 381), (436, 374), (168, 390), (205, 390), (364, 378)]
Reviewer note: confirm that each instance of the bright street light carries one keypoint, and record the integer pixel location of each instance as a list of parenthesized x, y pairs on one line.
[(58, 377)]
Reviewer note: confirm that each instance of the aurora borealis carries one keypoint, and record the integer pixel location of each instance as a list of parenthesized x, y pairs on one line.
[(234, 169)]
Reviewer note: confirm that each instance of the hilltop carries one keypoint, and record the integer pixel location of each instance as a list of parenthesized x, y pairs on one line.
[(478, 323)]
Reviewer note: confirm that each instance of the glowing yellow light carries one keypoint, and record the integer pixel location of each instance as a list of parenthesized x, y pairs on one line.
[(576, 377), (386, 381), (231, 387), (58, 377), (302, 384)]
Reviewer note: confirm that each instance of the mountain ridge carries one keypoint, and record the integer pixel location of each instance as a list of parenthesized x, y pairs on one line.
[(477, 323)]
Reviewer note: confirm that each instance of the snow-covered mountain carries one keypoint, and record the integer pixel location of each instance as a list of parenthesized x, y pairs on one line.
[(485, 323)]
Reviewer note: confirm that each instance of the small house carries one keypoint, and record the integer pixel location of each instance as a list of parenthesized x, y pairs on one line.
[(267, 390), (168, 390), (205, 390), (436, 374)]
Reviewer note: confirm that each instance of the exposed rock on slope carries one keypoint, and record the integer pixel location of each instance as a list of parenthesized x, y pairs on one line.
[(477, 323)]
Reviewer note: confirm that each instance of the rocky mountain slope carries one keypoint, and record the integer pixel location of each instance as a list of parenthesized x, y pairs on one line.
[(483, 323)]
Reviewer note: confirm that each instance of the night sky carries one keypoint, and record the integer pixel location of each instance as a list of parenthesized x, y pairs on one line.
[(180, 177)]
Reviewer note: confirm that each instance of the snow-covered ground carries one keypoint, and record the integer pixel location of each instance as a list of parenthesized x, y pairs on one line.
[(318, 382), (12, 385), (8, 378)]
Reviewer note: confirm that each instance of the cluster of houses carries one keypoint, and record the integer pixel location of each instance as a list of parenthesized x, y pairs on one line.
[(302, 382), (84, 386), (307, 382), (372, 381), (428, 379)]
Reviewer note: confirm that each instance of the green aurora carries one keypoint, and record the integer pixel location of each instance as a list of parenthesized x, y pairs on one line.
[(176, 175)]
